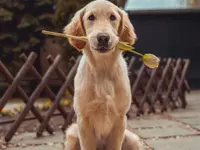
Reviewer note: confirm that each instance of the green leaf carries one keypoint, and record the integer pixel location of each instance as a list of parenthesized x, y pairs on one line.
[(46, 16), (24, 45), (18, 5), (4, 36), (14, 4), (17, 49), (5, 15), (43, 2), (34, 41), (26, 21)]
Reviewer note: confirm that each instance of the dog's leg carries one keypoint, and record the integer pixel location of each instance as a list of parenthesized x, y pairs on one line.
[(72, 140), (86, 135), (131, 141), (115, 138)]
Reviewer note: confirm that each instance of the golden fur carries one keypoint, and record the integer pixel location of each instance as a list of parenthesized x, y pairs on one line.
[(102, 89)]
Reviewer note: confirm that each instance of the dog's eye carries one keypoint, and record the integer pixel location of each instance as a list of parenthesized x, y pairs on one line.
[(91, 17), (112, 17)]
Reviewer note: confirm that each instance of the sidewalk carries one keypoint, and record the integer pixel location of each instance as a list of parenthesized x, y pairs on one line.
[(177, 130)]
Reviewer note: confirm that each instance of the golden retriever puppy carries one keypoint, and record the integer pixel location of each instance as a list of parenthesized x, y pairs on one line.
[(102, 89)]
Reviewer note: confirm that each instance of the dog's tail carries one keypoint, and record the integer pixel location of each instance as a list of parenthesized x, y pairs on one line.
[(71, 138)]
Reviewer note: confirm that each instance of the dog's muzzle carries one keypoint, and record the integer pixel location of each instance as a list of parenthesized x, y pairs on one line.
[(103, 41)]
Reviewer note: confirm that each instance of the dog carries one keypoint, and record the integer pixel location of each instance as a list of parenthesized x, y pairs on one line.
[(102, 88)]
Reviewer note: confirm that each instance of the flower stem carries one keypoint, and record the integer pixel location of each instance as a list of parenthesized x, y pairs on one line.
[(135, 52), (63, 35), (82, 38)]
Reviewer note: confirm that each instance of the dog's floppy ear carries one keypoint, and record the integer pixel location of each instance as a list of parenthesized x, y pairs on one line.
[(76, 28), (126, 29)]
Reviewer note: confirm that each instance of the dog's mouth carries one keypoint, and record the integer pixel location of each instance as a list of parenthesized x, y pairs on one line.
[(103, 49)]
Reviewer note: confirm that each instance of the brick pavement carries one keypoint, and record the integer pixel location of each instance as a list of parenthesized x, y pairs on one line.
[(177, 130)]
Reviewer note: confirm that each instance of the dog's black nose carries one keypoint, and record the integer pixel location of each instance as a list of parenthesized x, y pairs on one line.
[(103, 38)]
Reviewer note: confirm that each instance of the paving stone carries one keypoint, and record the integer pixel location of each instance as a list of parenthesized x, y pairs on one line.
[(188, 143), (30, 138), (185, 113), (191, 120), (40, 147), (196, 126), (162, 132), (152, 122)]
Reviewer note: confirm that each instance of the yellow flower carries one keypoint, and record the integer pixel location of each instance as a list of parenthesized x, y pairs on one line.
[(8, 112), (151, 61), (46, 104), (121, 45), (124, 46), (65, 102)]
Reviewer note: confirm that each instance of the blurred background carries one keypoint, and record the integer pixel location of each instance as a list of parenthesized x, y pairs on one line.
[(169, 28), (166, 28)]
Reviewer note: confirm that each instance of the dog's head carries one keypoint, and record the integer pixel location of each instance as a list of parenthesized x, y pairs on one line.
[(103, 23)]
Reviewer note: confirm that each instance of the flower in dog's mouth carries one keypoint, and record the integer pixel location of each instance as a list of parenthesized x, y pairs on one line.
[(149, 60)]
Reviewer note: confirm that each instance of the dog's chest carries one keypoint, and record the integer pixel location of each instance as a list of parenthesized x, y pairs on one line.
[(100, 106), (101, 98), (102, 122), (110, 87), (103, 105)]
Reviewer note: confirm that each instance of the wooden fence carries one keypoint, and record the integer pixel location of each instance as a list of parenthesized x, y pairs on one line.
[(152, 90)]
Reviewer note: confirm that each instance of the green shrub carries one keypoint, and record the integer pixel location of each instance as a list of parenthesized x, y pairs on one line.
[(22, 22)]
